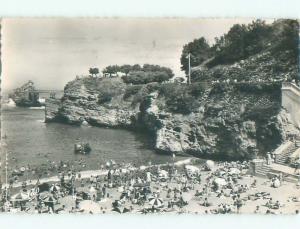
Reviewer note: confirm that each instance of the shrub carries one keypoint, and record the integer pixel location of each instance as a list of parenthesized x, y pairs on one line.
[(147, 74), (109, 88), (181, 98), (131, 90)]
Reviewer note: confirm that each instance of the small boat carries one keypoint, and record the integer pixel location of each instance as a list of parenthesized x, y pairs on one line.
[(82, 148)]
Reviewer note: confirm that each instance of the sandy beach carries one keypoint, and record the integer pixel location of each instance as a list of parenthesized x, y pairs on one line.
[(185, 187)]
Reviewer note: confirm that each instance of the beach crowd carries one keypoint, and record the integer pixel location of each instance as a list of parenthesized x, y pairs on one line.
[(205, 188)]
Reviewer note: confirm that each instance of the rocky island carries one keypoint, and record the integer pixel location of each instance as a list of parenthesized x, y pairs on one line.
[(231, 110), (26, 95)]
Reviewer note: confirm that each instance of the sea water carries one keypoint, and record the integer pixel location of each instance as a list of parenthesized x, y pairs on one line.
[(30, 141)]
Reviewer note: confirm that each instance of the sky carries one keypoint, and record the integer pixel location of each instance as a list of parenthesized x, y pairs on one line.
[(52, 51)]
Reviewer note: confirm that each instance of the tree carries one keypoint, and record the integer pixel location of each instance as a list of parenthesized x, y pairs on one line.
[(145, 77), (287, 38), (199, 50), (111, 69), (126, 68), (240, 42), (94, 71)]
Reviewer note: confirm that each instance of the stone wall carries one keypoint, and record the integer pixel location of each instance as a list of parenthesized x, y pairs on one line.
[(291, 101)]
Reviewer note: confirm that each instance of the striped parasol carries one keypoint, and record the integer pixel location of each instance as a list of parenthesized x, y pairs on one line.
[(55, 188), (121, 209), (155, 201), (49, 198)]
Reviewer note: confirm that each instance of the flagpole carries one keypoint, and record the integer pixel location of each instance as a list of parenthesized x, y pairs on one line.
[(189, 59), (173, 160), (6, 178)]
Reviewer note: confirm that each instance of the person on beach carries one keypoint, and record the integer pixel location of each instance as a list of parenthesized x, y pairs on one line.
[(238, 203), (269, 158), (297, 166)]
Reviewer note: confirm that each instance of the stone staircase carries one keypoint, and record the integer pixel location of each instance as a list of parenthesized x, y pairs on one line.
[(297, 142), (283, 158), (264, 170)]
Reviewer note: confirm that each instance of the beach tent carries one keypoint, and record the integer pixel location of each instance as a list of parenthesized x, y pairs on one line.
[(20, 197), (209, 164)]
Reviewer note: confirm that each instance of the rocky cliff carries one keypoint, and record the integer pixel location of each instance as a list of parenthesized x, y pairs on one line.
[(222, 120)]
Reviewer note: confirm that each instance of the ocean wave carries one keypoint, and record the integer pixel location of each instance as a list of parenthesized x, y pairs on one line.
[(9, 103)]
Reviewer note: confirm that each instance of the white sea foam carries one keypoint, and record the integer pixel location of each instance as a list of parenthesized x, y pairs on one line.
[(10, 103)]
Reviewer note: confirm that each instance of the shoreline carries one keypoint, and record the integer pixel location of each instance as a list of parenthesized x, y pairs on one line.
[(88, 173)]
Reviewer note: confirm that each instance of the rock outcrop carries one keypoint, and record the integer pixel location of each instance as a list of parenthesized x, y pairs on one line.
[(26, 95), (231, 122)]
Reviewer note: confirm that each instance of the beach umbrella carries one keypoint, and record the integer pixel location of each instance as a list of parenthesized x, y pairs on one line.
[(55, 188), (43, 195), (93, 179), (92, 189), (120, 209), (44, 187), (89, 206), (83, 189), (209, 164), (21, 196), (33, 192), (192, 169), (22, 169), (276, 183), (141, 185), (155, 201), (187, 196), (234, 171), (220, 181), (121, 189), (116, 203), (163, 174), (49, 199), (124, 170)]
